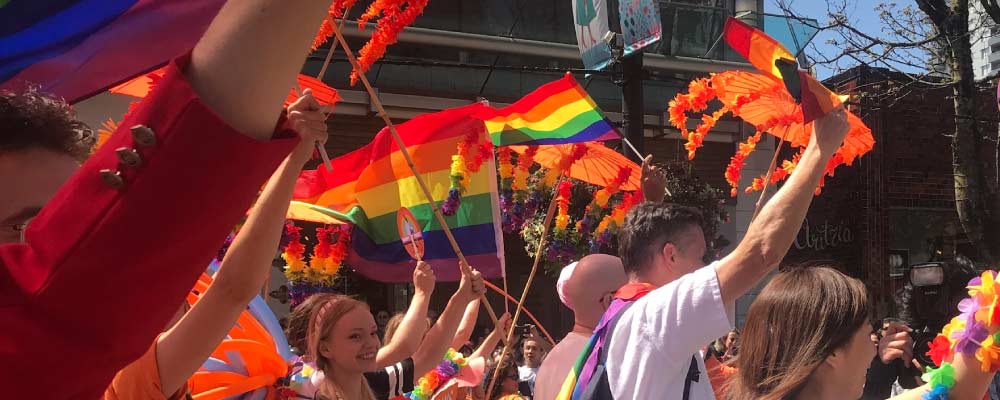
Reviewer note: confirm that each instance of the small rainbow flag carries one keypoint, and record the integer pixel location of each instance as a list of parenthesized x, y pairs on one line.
[(771, 58), (556, 113), (369, 185)]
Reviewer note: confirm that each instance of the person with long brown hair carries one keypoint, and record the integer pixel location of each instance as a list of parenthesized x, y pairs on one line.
[(808, 336), (342, 340)]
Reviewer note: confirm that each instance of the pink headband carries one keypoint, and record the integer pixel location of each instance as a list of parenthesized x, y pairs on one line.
[(319, 317)]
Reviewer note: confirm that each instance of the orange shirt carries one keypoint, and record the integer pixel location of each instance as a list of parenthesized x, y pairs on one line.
[(719, 375), (140, 380)]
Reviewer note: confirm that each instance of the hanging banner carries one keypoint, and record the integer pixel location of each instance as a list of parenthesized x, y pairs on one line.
[(591, 23), (640, 22)]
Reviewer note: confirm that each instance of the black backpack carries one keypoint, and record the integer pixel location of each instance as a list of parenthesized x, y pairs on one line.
[(600, 389)]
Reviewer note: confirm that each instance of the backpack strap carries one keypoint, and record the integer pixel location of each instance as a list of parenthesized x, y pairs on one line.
[(693, 375)]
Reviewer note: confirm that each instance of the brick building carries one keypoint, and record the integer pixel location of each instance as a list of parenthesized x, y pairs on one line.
[(898, 201)]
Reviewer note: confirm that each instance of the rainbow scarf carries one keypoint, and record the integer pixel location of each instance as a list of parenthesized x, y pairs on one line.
[(369, 185), (556, 113), (583, 369)]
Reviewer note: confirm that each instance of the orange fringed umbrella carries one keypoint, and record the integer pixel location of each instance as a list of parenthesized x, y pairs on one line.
[(598, 166), (776, 112), (764, 102)]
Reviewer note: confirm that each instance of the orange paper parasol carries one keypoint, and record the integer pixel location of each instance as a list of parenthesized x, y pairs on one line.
[(764, 102), (773, 110), (598, 166)]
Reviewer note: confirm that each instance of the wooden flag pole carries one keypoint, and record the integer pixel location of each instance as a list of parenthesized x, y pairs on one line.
[(333, 46), (526, 311), (531, 277), (322, 71), (409, 161), (767, 178)]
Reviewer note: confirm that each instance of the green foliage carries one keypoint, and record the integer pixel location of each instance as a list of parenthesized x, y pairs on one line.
[(686, 189)]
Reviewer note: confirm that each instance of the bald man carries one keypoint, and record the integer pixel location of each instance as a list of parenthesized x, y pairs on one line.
[(586, 287)]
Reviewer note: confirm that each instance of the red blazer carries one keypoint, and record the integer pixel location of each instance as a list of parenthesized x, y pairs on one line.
[(106, 265)]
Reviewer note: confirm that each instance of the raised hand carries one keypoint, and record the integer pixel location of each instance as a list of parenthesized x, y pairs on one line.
[(503, 324), (829, 131), (653, 181), (308, 119), (423, 278), (896, 343), (472, 285)]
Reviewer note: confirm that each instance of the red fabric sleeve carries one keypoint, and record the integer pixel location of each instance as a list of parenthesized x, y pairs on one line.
[(105, 268)]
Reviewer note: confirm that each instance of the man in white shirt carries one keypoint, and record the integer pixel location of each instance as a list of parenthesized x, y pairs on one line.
[(587, 288), (534, 351), (682, 304)]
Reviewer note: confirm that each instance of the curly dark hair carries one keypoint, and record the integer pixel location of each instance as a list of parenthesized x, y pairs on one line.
[(34, 120), (648, 226)]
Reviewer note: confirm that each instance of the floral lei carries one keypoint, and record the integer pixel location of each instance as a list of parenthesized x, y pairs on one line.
[(316, 276), (463, 164), (437, 377), (974, 332)]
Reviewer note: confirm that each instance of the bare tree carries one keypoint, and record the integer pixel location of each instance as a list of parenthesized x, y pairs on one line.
[(935, 38)]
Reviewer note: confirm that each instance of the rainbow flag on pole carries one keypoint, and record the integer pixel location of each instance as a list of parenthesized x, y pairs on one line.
[(556, 113), (771, 58), (369, 185)]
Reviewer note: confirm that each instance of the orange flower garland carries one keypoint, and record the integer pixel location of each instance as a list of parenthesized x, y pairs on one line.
[(320, 261), (505, 168), (294, 254), (562, 216), (336, 11), (617, 215), (524, 162), (338, 252), (394, 18), (579, 150), (736, 162)]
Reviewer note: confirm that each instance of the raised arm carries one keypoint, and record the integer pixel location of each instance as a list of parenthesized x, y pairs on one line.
[(468, 325), (438, 338), (247, 60), (182, 349), (491, 342), (411, 330), (771, 234), (970, 382)]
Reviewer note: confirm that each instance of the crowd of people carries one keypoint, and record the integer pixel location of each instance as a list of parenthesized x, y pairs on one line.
[(92, 284)]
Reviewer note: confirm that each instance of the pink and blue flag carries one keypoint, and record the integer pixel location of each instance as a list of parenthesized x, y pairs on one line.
[(78, 48)]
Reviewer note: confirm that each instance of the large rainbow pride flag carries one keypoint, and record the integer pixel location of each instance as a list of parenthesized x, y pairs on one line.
[(77, 48), (369, 185), (556, 113)]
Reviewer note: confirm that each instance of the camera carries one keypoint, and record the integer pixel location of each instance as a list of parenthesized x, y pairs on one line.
[(927, 274), (522, 330), (921, 344)]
